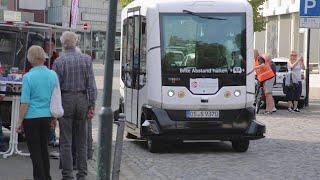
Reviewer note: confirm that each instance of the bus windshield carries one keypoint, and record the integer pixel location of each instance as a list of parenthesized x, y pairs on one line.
[(203, 43)]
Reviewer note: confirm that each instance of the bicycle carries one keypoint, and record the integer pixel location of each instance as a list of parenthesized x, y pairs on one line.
[(259, 94), (260, 97)]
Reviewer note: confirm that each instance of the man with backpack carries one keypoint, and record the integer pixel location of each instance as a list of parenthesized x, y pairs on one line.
[(266, 78)]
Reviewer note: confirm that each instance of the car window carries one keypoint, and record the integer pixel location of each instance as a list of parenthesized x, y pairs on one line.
[(281, 66)]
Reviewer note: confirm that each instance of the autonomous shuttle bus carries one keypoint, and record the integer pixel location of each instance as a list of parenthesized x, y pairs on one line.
[(185, 72)]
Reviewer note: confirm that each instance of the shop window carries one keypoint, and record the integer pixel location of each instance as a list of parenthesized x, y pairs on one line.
[(67, 2), (7, 49), (3, 4)]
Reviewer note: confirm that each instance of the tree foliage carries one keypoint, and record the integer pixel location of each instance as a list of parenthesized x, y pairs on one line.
[(124, 3), (259, 21)]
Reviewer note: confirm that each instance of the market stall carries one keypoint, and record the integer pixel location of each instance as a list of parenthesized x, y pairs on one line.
[(15, 39)]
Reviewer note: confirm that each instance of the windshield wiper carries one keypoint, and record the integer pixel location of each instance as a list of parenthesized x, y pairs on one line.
[(200, 16)]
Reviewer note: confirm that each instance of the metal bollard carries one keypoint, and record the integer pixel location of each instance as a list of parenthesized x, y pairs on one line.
[(118, 147)]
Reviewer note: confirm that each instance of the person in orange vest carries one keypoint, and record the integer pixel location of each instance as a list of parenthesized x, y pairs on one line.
[(266, 77)]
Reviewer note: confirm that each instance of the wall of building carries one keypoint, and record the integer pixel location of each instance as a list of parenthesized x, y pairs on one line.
[(284, 35), (94, 13), (38, 15), (33, 4), (259, 41), (315, 46), (12, 5)]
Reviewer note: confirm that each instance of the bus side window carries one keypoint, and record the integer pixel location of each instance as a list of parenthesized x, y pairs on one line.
[(127, 51), (143, 53), (124, 51)]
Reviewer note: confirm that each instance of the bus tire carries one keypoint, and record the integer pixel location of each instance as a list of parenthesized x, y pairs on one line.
[(154, 146), (241, 145)]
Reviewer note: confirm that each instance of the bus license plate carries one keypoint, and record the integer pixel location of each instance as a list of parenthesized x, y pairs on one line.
[(202, 114)]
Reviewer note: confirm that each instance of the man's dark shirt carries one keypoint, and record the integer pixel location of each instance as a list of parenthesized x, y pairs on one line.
[(75, 73)]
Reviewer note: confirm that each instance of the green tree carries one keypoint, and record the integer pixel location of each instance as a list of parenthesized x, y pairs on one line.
[(124, 3), (259, 22)]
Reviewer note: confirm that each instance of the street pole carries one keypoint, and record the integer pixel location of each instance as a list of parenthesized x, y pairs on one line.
[(308, 69), (106, 114)]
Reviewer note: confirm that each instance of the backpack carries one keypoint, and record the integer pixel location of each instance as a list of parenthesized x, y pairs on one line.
[(289, 83)]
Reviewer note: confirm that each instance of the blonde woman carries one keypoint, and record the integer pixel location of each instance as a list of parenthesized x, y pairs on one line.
[(295, 65), (35, 114)]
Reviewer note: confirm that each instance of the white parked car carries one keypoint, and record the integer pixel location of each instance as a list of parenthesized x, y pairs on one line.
[(278, 95)]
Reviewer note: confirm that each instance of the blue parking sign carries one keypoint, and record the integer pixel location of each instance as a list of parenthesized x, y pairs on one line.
[(309, 8)]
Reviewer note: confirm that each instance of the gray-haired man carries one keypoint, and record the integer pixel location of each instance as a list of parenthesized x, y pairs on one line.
[(79, 94)]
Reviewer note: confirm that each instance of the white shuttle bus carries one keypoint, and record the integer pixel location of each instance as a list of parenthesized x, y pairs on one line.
[(184, 72)]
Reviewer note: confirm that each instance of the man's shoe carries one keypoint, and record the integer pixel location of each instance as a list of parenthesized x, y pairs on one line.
[(290, 110), (297, 110)]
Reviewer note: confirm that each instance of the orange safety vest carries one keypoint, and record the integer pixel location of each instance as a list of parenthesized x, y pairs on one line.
[(264, 73)]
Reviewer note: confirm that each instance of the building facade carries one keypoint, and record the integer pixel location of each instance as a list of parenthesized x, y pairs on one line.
[(283, 34), (9, 11), (93, 13)]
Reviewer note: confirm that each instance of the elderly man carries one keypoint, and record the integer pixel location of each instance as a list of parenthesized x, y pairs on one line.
[(79, 94)]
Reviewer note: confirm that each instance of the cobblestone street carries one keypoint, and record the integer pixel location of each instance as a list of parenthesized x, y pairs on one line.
[(289, 151)]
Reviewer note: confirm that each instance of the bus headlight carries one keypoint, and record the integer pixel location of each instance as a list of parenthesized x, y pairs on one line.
[(171, 93), (237, 93)]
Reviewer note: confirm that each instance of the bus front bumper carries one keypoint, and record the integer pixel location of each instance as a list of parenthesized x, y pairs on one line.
[(239, 124)]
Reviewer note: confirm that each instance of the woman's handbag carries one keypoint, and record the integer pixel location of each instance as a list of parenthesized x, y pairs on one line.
[(56, 102)]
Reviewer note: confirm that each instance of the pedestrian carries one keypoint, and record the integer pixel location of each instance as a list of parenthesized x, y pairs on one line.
[(52, 55), (295, 66), (79, 94), (89, 136), (35, 115), (266, 78), (50, 49)]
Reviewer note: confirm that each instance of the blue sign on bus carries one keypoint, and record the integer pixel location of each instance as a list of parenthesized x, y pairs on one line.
[(309, 8)]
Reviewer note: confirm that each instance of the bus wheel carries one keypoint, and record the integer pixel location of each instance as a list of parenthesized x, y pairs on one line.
[(154, 146), (241, 145)]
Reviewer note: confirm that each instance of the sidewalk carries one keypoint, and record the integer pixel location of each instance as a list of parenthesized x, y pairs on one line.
[(20, 168)]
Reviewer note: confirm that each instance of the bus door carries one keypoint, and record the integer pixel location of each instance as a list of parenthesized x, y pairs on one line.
[(132, 67)]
